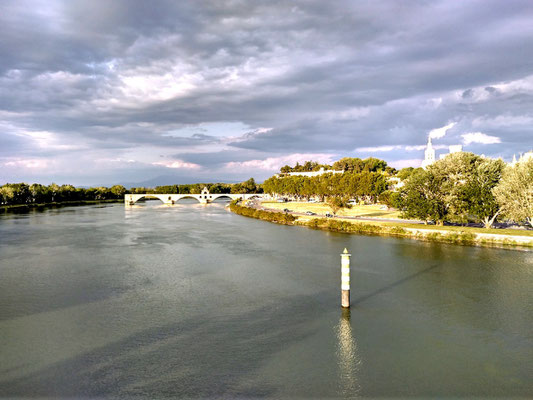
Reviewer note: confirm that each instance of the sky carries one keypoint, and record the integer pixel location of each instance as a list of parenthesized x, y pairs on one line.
[(99, 92)]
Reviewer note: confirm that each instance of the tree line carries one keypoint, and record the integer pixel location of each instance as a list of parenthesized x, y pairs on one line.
[(249, 186), (363, 180), (464, 187), (461, 188), (364, 185), (346, 164), (307, 166), (22, 193)]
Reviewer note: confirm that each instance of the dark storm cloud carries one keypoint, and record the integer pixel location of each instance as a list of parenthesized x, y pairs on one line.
[(217, 159), (123, 78)]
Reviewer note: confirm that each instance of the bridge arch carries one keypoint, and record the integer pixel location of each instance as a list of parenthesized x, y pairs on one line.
[(181, 197), (148, 197), (221, 196)]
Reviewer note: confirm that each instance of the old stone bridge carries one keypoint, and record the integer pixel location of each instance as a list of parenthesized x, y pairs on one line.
[(204, 197)]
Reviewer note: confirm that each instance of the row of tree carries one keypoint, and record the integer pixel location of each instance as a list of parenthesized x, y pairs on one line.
[(358, 185), (357, 165), (346, 164), (461, 188), (22, 193), (248, 186), (307, 166), (464, 187)]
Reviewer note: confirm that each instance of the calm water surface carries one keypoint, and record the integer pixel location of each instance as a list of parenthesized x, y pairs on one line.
[(193, 301)]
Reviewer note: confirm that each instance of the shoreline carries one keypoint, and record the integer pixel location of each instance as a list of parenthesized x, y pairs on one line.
[(461, 237), (56, 204)]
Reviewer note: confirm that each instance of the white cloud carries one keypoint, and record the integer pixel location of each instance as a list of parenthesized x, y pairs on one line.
[(421, 147), (437, 133), (379, 149), (275, 163), (27, 163), (177, 164), (502, 121), (351, 113), (478, 137), (524, 85), (47, 140)]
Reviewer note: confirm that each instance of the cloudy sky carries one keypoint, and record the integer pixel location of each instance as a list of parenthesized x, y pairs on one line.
[(100, 92)]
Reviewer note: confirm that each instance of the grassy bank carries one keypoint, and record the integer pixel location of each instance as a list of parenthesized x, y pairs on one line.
[(455, 235), (390, 230), (278, 217), (57, 204), (370, 210)]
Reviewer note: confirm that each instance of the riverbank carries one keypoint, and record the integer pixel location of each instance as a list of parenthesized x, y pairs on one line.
[(57, 204), (369, 210), (452, 234)]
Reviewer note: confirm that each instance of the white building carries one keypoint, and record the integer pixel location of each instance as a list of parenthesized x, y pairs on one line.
[(395, 183), (429, 154), (455, 148), (522, 157)]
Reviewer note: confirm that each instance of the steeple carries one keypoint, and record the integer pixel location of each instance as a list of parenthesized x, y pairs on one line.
[(429, 154)]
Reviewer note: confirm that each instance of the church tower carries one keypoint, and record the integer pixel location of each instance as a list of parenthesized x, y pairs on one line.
[(429, 154)]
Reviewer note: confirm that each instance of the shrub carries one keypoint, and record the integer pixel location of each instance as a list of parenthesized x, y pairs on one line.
[(261, 214)]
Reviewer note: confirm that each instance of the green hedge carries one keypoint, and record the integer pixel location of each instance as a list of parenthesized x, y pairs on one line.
[(278, 217)]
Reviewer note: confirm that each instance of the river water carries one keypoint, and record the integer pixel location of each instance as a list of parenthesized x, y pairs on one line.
[(194, 301)]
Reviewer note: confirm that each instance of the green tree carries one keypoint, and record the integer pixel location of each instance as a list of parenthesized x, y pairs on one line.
[(67, 193), (118, 191), (249, 186), (8, 194), (372, 164), (405, 173), (454, 173), (467, 181), (390, 199), (338, 202), (53, 189), (478, 191), (422, 197), (39, 193), (514, 193), (348, 164)]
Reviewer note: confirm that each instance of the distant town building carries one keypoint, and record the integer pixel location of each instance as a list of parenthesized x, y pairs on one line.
[(522, 157), (455, 148), (429, 154), (395, 183)]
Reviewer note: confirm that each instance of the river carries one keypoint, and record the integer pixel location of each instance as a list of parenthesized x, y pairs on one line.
[(191, 300)]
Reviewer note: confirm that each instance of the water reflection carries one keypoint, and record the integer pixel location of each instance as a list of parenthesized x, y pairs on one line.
[(347, 357), (102, 302)]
